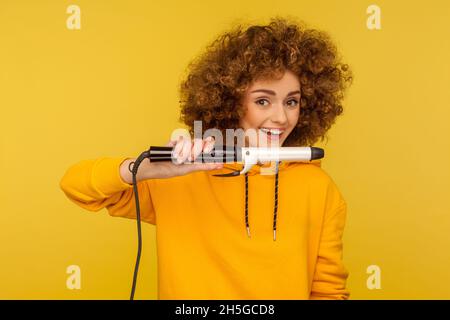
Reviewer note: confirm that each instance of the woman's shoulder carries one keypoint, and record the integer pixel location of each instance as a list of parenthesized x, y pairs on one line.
[(317, 180), (311, 169), (312, 173)]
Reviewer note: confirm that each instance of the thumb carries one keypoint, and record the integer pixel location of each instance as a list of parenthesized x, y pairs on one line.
[(171, 143), (205, 166)]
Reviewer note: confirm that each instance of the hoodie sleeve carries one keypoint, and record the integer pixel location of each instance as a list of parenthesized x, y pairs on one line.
[(97, 184), (330, 276)]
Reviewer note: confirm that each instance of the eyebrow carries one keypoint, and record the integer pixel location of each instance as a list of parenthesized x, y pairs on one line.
[(273, 92)]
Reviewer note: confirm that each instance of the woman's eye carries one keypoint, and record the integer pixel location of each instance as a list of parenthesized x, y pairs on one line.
[(292, 103), (261, 102)]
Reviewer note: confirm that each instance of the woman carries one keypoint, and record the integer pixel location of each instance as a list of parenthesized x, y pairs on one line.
[(256, 236)]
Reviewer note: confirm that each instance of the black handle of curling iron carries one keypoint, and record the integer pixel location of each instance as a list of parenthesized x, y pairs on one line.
[(217, 154)]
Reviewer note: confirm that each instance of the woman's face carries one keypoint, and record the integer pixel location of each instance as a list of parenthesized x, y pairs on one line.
[(272, 110)]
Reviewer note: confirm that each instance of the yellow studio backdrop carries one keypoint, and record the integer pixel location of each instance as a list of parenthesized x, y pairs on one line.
[(110, 88)]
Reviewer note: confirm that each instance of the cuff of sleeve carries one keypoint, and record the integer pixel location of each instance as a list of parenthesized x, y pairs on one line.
[(106, 177)]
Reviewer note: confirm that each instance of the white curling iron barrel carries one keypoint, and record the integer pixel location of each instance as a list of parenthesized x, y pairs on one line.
[(253, 155)]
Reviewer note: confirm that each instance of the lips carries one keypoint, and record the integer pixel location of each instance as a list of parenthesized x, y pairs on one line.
[(271, 136), (272, 131)]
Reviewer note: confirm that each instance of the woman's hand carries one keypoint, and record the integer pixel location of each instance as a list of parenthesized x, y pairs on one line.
[(185, 153)]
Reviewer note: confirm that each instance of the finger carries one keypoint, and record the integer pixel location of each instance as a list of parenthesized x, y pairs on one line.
[(209, 144), (172, 143), (185, 151), (196, 149), (177, 149)]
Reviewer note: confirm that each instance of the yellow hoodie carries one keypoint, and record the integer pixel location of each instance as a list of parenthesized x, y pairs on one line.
[(204, 251)]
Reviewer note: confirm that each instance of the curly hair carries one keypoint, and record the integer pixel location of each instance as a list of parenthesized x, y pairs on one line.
[(217, 80)]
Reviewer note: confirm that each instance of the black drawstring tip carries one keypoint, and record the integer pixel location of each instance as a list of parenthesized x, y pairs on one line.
[(248, 232), (274, 235)]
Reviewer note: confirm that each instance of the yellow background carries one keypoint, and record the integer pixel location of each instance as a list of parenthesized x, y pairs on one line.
[(110, 89)]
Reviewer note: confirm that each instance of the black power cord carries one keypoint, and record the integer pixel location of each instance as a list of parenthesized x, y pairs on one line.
[(136, 163), (155, 154)]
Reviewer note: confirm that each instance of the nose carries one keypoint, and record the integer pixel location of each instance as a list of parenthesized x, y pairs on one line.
[(279, 115)]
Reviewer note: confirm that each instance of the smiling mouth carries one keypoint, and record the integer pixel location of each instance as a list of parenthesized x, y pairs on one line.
[(272, 133)]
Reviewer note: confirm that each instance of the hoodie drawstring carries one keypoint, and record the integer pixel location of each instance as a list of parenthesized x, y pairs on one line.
[(275, 209), (246, 205)]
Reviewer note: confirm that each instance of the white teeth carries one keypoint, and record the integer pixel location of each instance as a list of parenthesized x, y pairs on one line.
[(272, 131)]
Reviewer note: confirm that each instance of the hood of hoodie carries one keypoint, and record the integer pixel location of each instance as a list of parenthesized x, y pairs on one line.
[(256, 169)]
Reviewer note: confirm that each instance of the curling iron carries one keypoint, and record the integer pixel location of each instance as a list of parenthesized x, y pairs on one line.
[(250, 156)]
